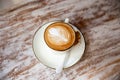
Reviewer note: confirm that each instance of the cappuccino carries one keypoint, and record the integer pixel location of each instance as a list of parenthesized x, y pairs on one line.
[(59, 36)]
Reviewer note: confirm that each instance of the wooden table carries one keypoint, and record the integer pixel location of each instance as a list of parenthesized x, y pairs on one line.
[(98, 20)]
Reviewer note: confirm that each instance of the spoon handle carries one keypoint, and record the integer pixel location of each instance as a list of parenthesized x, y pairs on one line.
[(62, 63)]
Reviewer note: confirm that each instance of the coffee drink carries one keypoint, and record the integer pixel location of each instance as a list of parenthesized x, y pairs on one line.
[(59, 36)]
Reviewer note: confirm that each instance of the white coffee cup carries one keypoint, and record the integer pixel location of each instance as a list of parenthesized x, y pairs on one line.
[(60, 35)]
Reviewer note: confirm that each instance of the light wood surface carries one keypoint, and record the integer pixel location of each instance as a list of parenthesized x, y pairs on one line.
[(98, 20)]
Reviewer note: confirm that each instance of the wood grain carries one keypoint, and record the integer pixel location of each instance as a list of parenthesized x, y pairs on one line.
[(98, 20)]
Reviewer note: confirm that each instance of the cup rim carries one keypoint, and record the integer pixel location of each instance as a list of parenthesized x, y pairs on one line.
[(68, 26)]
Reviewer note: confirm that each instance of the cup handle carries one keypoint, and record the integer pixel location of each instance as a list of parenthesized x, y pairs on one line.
[(66, 20)]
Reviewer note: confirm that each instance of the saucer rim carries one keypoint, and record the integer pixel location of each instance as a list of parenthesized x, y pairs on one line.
[(53, 49)]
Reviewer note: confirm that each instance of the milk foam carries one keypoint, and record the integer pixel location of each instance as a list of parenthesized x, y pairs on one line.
[(56, 32)]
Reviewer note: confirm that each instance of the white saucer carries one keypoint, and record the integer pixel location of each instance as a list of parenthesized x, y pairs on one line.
[(52, 58)]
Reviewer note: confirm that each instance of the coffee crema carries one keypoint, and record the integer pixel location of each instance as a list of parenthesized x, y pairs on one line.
[(59, 36)]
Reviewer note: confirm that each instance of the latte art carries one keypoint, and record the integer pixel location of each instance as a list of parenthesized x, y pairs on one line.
[(59, 36)]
